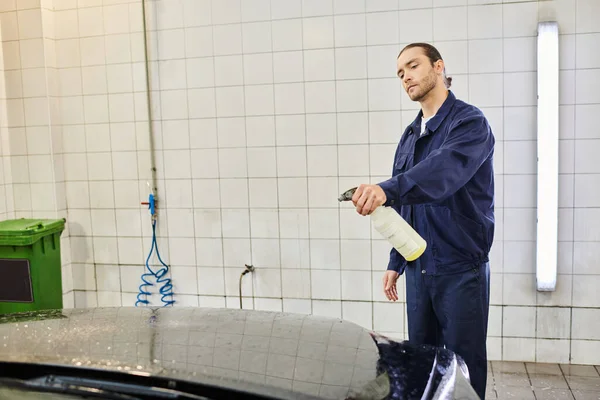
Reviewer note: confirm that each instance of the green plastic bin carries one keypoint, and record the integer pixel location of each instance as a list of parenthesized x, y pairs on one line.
[(30, 265)]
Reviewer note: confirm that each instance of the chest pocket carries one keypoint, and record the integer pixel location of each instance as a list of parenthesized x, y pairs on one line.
[(403, 162)]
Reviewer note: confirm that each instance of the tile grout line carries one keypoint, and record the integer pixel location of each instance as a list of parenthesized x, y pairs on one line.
[(111, 163), (379, 111), (368, 112), (88, 181), (23, 109), (280, 258), (337, 151), (573, 210), (135, 155), (502, 309), (49, 98), (308, 224), (247, 177), (218, 148), (231, 55), (537, 294), (529, 378), (562, 371), (360, 78), (191, 184)]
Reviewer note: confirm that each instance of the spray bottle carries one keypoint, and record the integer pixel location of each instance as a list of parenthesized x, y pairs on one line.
[(395, 229)]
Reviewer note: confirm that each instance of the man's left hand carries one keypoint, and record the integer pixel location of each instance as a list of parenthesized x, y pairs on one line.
[(367, 198)]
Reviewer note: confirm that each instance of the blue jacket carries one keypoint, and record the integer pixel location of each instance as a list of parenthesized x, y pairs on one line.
[(443, 185)]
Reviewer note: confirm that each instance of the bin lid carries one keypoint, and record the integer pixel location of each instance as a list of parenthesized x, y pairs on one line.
[(23, 232)]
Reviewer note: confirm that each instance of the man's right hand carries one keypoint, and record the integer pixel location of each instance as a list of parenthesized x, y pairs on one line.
[(389, 284)]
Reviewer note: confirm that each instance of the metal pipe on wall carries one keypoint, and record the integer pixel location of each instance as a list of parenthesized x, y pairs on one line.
[(151, 145)]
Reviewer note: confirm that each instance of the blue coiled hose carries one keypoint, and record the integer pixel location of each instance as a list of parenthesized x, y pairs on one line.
[(166, 289)]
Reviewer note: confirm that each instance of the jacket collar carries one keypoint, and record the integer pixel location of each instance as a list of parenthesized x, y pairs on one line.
[(434, 123)]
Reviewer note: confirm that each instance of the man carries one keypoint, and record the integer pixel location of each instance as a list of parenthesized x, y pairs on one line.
[(443, 184)]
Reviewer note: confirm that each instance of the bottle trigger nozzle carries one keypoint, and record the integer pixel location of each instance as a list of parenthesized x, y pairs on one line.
[(347, 195)]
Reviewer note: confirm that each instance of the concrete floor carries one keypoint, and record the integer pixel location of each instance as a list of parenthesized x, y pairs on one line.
[(514, 380)]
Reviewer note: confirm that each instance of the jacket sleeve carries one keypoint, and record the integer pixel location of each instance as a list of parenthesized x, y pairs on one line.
[(446, 169), (397, 262)]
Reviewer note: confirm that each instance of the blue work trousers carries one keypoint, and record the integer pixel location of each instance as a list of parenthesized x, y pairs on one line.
[(452, 310)]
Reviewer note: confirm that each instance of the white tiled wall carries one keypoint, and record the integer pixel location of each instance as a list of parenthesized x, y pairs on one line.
[(30, 125), (263, 112), (6, 205)]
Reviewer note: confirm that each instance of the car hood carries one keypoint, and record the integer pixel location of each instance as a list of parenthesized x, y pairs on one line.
[(273, 354)]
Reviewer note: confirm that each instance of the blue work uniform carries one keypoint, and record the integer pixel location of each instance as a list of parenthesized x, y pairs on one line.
[(443, 184)]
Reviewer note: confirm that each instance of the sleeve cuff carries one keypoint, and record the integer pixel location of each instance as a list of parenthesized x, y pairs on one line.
[(389, 187), (397, 262), (396, 188), (398, 268)]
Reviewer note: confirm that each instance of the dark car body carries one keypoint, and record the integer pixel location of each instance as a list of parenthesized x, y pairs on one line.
[(264, 354)]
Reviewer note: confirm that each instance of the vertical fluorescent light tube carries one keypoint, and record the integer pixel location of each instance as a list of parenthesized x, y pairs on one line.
[(547, 156)]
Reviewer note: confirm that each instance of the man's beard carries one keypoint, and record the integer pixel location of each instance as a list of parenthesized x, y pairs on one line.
[(423, 88)]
